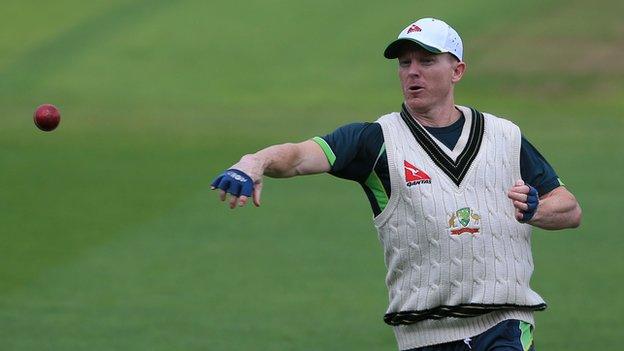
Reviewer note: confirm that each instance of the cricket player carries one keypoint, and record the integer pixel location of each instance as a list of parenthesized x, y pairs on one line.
[(454, 193)]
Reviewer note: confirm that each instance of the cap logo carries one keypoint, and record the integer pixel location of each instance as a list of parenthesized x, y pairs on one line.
[(413, 28)]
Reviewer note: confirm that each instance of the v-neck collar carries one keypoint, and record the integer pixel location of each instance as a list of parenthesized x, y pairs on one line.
[(455, 163), (460, 144)]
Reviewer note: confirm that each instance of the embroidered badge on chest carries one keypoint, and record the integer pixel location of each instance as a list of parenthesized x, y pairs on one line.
[(414, 175), (464, 220)]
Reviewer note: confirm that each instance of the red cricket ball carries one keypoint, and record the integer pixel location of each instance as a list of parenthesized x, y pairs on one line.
[(47, 117)]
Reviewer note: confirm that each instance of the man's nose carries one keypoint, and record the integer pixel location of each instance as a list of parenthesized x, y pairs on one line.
[(414, 69)]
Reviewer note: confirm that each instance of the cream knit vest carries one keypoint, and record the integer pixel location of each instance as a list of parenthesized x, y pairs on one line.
[(458, 261)]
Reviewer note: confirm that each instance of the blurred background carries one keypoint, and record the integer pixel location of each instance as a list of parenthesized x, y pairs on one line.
[(110, 238)]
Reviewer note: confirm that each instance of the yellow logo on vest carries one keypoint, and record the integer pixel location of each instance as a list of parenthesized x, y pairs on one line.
[(464, 220)]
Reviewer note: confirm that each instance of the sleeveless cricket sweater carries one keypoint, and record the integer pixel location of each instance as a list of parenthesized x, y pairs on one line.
[(458, 261)]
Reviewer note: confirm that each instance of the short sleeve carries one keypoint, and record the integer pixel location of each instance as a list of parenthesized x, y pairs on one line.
[(535, 170), (352, 149)]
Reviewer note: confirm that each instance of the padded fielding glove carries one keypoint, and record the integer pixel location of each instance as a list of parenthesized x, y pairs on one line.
[(532, 202), (234, 182)]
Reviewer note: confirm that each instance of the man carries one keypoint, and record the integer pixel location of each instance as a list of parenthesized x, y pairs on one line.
[(454, 192)]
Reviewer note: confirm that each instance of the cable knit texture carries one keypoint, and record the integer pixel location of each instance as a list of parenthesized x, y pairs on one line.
[(447, 246)]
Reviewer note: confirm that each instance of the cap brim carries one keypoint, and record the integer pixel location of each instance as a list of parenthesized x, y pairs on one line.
[(394, 49)]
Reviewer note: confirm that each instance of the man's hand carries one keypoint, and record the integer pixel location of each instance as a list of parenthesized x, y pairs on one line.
[(241, 181), (277, 161), (236, 183), (525, 200)]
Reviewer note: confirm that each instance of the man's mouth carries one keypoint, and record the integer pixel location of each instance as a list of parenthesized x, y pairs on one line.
[(415, 88)]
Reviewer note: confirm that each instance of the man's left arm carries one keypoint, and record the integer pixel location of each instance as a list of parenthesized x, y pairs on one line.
[(540, 198), (557, 209)]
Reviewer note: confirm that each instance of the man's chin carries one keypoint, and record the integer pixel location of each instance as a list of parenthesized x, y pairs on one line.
[(416, 104)]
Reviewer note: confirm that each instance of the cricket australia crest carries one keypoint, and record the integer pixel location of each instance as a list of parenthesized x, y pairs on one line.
[(464, 220)]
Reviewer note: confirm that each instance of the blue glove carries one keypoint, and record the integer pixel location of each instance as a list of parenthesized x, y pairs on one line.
[(532, 202), (234, 182)]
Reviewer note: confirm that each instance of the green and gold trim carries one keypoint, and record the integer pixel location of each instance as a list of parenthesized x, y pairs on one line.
[(526, 335), (331, 157), (376, 187)]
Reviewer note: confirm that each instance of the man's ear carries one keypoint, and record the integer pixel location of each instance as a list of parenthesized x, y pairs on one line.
[(458, 71)]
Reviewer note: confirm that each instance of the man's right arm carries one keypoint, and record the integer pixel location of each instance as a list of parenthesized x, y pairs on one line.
[(277, 161), (289, 160)]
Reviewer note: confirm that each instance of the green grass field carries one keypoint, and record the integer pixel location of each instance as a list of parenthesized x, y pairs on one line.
[(110, 238)]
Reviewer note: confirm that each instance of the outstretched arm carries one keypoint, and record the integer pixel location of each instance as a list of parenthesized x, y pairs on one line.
[(277, 161), (557, 209)]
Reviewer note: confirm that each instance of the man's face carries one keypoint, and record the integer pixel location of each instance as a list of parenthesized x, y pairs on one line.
[(427, 79)]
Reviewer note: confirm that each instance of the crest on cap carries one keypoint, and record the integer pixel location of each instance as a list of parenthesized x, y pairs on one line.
[(414, 28)]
